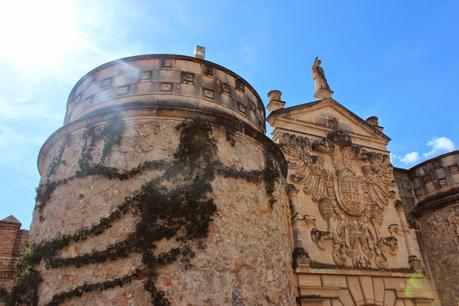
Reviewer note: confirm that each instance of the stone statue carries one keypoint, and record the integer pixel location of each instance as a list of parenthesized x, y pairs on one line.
[(321, 88)]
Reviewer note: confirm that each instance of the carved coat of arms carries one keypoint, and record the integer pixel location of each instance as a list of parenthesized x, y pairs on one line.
[(351, 195)]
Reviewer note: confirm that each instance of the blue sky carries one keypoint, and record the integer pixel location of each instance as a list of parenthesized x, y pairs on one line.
[(394, 59)]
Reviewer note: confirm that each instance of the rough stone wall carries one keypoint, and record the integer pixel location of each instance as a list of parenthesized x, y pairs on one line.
[(12, 244), (245, 259), (439, 238)]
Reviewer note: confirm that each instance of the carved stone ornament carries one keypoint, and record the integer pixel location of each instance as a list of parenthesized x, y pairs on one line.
[(351, 196)]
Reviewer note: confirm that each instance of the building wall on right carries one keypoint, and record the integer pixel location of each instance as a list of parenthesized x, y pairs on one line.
[(430, 192)]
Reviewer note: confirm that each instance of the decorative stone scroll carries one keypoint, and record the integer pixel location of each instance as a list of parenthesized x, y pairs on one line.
[(351, 187)]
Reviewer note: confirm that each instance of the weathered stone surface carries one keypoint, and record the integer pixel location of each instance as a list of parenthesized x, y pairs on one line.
[(247, 255), (439, 236), (430, 196)]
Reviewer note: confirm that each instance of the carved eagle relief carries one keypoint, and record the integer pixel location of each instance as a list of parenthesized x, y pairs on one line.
[(351, 202)]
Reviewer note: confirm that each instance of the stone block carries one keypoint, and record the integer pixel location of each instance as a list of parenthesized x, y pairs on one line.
[(425, 303), (378, 287), (409, 302), (323, 292), (345, 297), (354, 288), (336, 303), (394, 282), (414, 293), (389, 298), (309, 280), (399, 303), (312, 303), (367, 289), (338, 281)]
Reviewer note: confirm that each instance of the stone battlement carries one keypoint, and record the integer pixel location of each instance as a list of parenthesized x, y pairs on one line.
[(162, 77)]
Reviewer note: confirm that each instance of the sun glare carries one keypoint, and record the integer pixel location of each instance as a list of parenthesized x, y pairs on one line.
[(37, 34)]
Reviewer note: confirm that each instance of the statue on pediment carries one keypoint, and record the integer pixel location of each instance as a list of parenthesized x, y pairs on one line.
[(321, 88)]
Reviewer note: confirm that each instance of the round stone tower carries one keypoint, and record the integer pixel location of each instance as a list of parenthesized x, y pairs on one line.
[(160, 189), (435, 184)]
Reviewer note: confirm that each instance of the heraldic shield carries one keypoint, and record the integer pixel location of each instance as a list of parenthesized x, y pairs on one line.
[(349, 192)]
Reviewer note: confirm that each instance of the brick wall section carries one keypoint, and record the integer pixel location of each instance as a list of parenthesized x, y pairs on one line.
[(12, 244)]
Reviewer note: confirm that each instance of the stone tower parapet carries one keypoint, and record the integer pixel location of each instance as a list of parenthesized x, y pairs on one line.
[(164, 77)]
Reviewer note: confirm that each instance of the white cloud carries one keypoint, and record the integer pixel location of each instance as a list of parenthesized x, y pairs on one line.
[(410, 158), (28, 110), (12, 144), (439, 145), (393, 157)]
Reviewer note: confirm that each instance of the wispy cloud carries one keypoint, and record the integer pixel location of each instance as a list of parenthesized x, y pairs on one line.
[(437, 145), (410, 158), (26, 110), (14, 145), (393, 157)]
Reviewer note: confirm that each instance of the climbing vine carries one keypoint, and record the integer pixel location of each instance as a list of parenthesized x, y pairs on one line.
[(230, 131), (270, 176), (80, 290), (57, 160), (44, 195), (111, 133), (182, 213)]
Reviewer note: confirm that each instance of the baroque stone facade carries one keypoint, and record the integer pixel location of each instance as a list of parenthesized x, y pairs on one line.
[(161, 188), (348, 218)]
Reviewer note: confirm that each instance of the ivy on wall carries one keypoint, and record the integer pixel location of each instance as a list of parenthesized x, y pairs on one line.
[(56, 162), (111, 134), (80, 290), (182, 213)]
